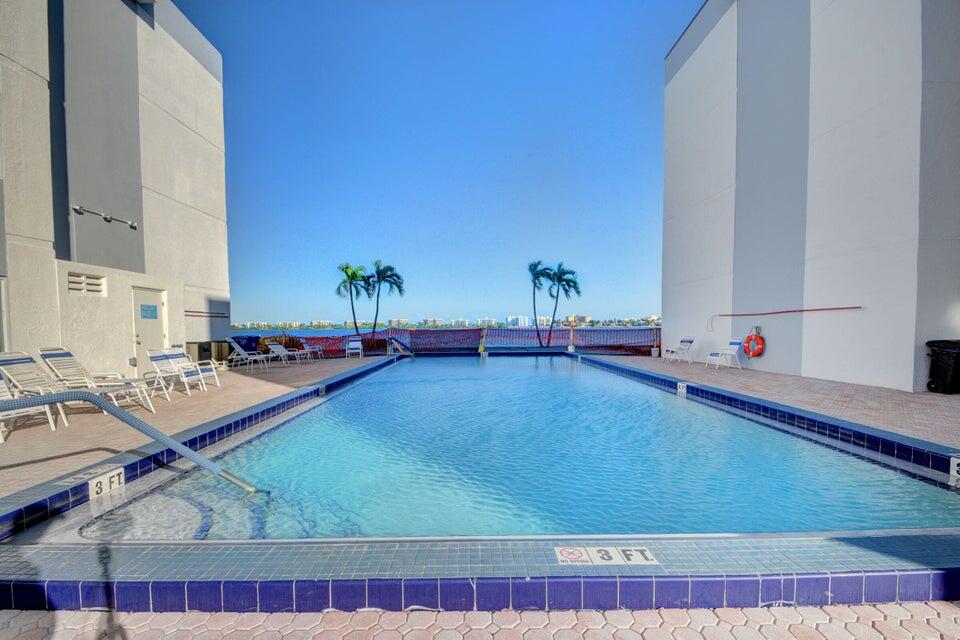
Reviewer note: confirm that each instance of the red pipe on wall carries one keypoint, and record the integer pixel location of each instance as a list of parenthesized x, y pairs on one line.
[(777, 313)]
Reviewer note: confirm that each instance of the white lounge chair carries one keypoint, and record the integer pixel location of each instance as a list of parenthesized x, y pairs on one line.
[(727, 355), (311, 349), (207, 368), (7, 416), (67, 369), (27, 377), (284, 355), (682, 351), (172, 372), (241, 356), (354, 347)]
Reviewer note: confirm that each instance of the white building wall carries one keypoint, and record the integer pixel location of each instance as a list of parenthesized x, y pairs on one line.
[(184, 196), (25, 172), (863, 191), (184, 229), (700, 138)]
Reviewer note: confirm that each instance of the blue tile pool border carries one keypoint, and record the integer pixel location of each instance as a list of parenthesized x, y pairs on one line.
[(922, 453), (533, 593), (33, 506)]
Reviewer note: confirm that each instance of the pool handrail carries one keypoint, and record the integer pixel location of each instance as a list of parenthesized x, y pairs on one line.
[(25, 402)]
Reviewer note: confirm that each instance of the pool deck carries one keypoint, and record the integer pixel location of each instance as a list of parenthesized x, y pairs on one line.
[(33, 454), (932, 620), (927, 416)]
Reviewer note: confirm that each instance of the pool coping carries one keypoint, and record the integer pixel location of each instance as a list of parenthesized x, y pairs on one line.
[(569, 589)]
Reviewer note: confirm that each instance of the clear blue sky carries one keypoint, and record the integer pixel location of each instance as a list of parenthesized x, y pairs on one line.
[(456, 140)]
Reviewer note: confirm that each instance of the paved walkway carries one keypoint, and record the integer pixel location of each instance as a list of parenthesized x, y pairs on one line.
[(928, 416), (912, 620), (33, 454)]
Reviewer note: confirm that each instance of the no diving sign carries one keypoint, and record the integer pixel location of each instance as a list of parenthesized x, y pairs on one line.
[(604, 555)]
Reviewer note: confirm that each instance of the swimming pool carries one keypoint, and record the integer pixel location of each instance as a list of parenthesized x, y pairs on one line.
[(525, 446)]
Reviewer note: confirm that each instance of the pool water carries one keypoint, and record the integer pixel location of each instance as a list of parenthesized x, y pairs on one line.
[(519, 446)]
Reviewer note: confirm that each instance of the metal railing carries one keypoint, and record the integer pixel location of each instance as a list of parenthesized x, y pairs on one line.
[(26, 402)]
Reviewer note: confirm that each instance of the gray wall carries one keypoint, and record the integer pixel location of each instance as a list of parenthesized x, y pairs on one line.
[(103, 130), (938, 263), (773, 83), (700, 26)]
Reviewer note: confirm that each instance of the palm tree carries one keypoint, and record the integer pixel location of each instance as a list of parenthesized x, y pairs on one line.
[(355, 282), (384, 274), (564, 281), (538, 273)]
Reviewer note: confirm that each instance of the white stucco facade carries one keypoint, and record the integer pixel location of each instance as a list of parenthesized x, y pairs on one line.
[(876, 220), (178, 111)]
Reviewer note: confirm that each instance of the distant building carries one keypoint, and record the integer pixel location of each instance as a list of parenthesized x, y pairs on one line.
[(432, 322), (460, 322), (398, 322), (322, 323), (543, 321), (578, 321), (518, 321), (486, 322)]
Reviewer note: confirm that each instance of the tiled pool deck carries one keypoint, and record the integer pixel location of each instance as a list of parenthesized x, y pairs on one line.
[(927, 416), (934, 621), (478, 574)]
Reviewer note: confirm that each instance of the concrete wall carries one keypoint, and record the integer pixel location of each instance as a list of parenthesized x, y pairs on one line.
[(938, 265), (863, 191), (773, 80), (103, 130), (26, 174), (182, 157), (700, 138), (154, 67), (846, 190)]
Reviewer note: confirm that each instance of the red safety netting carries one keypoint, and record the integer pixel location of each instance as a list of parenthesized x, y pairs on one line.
[(636, 340)]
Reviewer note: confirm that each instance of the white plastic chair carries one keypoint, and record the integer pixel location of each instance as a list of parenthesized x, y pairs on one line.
[(683, 351), (67, 369), (207, 368), (354, 347), (241, 356), (173, 372), (285, 355), (7, 416), (727, 355)]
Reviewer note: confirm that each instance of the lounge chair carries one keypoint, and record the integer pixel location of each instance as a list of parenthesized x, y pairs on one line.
[(284, 355), (727, 355), (27, 377), (67, 369), (311, 349), (682, 351), (354, 347), (7, 416), (241, 356), (207, 368), (173, 372)]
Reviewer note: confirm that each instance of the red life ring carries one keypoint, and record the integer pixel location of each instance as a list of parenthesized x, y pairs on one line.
[(754, 344)]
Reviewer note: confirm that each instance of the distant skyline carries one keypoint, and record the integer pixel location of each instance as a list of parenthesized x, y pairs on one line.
[(455, 140)]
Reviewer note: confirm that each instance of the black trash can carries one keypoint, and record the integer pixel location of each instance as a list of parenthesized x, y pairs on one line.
[(944, 366)]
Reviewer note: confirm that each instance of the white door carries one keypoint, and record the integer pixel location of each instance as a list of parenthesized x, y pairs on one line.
[(149, 325)]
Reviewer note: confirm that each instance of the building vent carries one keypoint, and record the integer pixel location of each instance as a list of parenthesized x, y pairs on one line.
[(86, 284)]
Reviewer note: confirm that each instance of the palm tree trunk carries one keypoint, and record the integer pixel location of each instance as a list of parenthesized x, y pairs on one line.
[(353, 312), (376, 314), (535, 323), (553, 318)]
